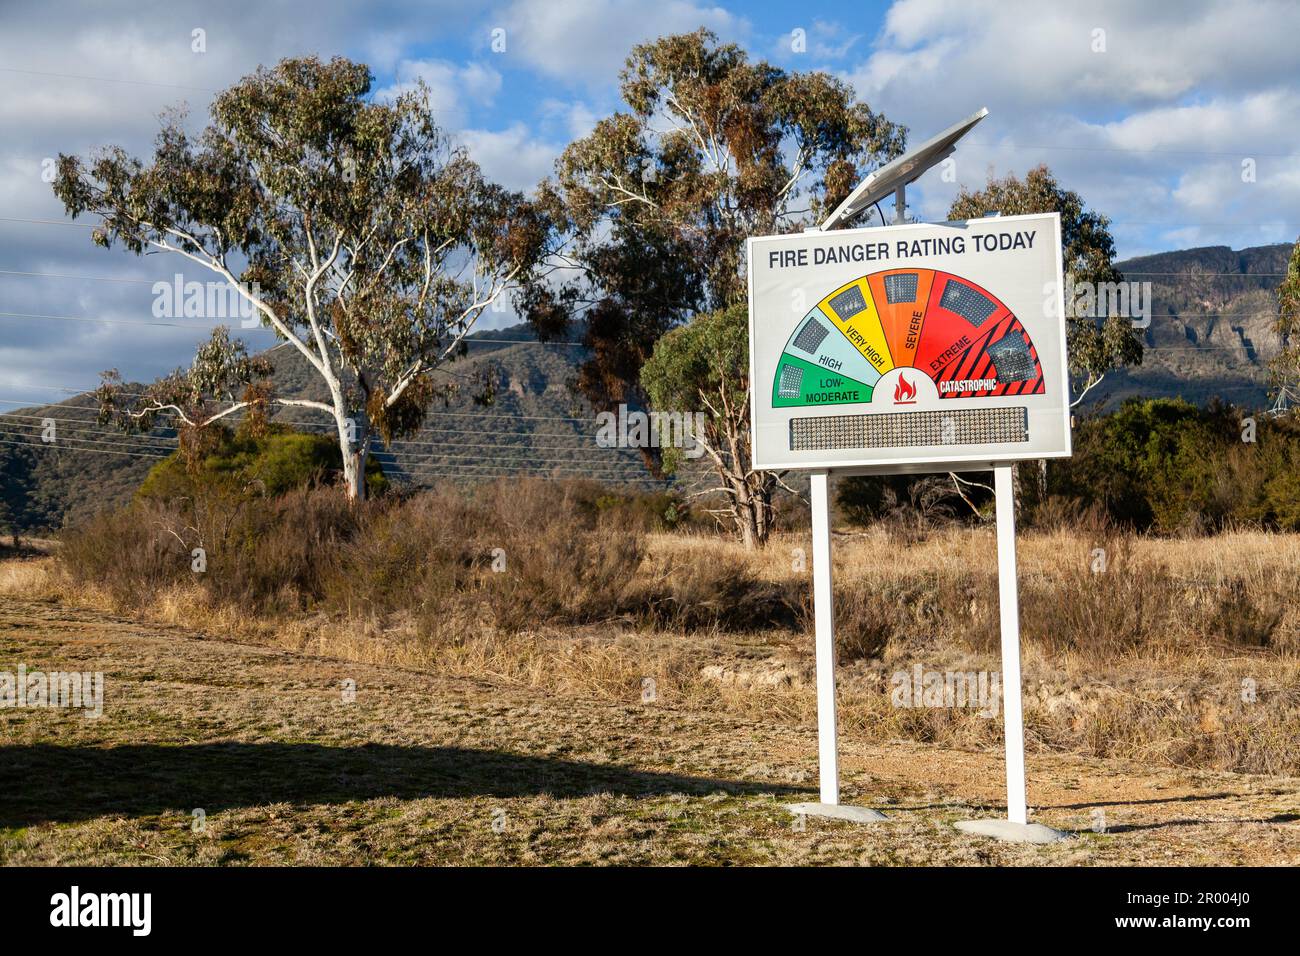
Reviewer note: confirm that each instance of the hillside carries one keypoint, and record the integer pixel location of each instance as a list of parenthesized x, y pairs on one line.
[(1210, 335), (532, 425)]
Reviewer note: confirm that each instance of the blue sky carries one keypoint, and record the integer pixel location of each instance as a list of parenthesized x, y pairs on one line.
[(1151, 113)]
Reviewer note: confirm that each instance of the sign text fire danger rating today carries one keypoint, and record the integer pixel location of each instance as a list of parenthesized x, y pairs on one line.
[(901, 249)]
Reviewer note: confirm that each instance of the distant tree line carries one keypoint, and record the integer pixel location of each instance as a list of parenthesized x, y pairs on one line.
[(1159, 465)]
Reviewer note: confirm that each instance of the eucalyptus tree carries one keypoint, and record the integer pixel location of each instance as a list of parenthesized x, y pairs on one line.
[(655, 204), (351, 226), (704, 366), (1285, 365)]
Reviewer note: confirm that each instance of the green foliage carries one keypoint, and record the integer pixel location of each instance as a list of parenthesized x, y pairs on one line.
[(243, 464), (1160, 465), (701, 370), (1167, 466), (704, 367), (1286, 364)]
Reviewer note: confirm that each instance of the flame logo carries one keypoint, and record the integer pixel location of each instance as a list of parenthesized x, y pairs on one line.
[(904, 391)]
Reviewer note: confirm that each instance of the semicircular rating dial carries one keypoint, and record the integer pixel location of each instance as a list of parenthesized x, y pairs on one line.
[(943, 326)]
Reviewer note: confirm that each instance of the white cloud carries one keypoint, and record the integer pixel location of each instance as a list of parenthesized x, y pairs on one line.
[(587, 41), (573, 119), (511, 157), (452, 89), (1151, 131), (102, 73), (823, 40)]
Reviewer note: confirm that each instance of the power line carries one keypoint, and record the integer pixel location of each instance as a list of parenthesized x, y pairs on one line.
[(407, 463), (579, 437), (77, 430), (82, 427), (65, 275), (256, 328), (88, 278), (435, 459), (482, 341), (541, 476), (1207, 275), (499, 455), (1192, 347), (102, 451), (397, 444), (503, 447), (92, 441), (1183, 275), (329, 427), (107, 79), (439, 414), (595, 473), (492, 451), (530, 471), (49, 222), (84, 318)]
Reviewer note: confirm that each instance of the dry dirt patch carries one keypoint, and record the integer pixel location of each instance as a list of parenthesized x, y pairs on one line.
[(429, 769)]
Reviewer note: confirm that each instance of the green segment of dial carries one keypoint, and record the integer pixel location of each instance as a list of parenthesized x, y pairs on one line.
[(799, 383)]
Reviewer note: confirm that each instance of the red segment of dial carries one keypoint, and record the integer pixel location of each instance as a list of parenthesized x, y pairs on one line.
[(975, 364), (946, 335)]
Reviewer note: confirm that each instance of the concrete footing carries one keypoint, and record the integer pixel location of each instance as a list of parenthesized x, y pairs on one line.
[(1012, 832), (836, 811)]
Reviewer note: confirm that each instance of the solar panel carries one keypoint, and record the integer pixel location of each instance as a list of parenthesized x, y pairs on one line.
[(810, 337), (1011, 358), (849, 303), (966, 302), (791, 380), (900, 287)]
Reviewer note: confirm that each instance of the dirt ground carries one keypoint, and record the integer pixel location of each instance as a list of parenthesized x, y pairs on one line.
[(287, 765)]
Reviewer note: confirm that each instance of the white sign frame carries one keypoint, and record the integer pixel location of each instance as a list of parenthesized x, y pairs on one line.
[(772, 321), (1000, 460)]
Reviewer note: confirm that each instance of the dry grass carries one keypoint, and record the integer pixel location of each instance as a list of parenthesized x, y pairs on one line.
[(418, 768), (1147, 659)]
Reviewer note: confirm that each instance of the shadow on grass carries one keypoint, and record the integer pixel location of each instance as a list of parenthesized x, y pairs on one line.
[(48, 783)]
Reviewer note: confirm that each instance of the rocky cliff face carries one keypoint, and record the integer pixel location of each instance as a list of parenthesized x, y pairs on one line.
[(1211, 333)]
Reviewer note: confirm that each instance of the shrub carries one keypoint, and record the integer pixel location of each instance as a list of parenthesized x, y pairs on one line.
[(559, 560), (1168, 466), (250, 463), (717, 594), (130, 553)]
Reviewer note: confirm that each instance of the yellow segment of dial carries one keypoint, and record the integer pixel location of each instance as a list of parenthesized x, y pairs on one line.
[(852, 310)]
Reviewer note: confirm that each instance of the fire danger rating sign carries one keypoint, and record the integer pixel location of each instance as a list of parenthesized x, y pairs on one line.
[(909, 346)]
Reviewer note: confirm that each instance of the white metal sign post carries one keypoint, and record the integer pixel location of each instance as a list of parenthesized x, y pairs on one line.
[(1013, 721), (828, 756), (910, 348)]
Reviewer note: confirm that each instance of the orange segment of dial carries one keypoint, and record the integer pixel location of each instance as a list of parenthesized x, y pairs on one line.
[(900, 296), (853, 310)]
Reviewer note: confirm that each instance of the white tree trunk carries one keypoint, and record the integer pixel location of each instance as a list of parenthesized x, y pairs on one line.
[(354, 443), (354, 474)]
